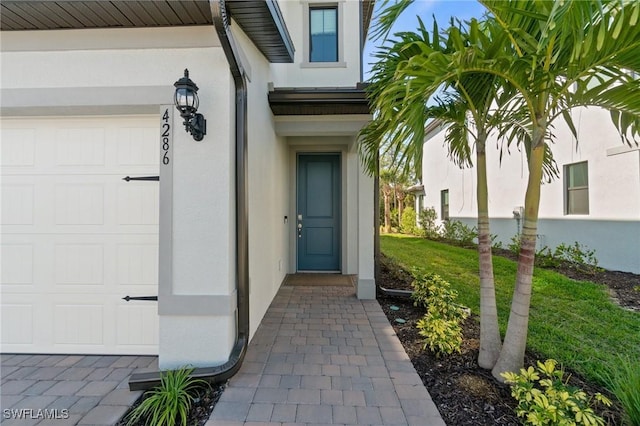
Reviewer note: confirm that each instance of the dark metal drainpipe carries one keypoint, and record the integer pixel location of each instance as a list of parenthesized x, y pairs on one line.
[(221, 22), (225, 371)]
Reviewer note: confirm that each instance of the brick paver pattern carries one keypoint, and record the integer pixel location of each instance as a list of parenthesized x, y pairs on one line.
[(321, 356), (62, 390)]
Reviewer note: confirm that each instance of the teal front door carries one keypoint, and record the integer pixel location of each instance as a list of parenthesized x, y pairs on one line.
[(318, 212)]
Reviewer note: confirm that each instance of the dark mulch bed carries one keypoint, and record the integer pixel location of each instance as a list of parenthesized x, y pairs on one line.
[(464, 393)]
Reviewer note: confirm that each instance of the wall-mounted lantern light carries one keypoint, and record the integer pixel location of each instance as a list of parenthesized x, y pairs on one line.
[(186, 101)]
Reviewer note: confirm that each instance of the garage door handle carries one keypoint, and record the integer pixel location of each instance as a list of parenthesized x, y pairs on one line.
[(129, 178), (149, 298)]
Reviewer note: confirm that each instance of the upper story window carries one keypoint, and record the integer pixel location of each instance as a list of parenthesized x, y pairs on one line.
[(576, 183), (323, 34), (444, 204)]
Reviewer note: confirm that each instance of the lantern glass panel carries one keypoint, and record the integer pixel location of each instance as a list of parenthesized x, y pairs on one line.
[(186, 99)]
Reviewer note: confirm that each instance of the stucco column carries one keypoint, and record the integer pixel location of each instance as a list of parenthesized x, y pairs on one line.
[(366, 235), (197, 300)]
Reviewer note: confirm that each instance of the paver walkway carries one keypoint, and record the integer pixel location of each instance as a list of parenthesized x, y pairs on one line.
[(61, 390), (321, 356)]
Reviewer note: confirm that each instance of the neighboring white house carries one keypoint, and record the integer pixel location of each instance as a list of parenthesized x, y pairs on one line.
[(87, 99), (418, 200), (595, 201)]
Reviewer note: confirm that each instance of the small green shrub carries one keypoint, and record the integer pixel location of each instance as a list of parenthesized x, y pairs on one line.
[(408, 223), (495, 244), (424, 285), (623, 380), (457, 232), (577, 255), (545, 399), (440, 326), (427, 218), (449, 230), (467, 235), (169, 403), (441, 336), (546, 259), (514, 245)]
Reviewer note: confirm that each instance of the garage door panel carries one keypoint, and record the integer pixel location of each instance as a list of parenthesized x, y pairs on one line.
[(17, 265), (18, 147), (76, 238), (138, 265), (137, 324), (17, 322), (79, 204), (79, 323), (80, 147), (137, 146), (17, 204), (79, 264), (135, 204)]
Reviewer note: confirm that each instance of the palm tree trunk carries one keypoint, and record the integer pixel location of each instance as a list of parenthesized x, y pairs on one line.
[(387, 210), (515, 341), (400, 197), (490, 343)]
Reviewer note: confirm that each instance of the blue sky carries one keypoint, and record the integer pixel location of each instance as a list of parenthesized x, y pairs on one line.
[(443, 11)]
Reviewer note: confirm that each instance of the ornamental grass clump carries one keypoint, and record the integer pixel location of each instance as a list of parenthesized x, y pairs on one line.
[(169, 403), (624, 381), (545, 399), (440, 326)]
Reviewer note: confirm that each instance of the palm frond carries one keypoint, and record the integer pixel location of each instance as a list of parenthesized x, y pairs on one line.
[(387, 17)]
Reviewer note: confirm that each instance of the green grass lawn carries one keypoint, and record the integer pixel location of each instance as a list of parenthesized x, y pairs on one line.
[(571, 321)]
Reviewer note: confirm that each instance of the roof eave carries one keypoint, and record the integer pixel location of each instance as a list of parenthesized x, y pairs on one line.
[(319, 101), (261, 20)]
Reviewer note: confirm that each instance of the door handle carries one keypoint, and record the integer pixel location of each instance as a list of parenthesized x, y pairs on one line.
[(299, 226)]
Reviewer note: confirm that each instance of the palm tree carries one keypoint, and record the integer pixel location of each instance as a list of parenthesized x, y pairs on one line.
[(569, 54), (399, 90), (557, 55)]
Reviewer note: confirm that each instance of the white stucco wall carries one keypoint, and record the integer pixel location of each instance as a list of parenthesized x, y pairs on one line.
[(366, 235), (301, 73), (268, 187), (614, 190)]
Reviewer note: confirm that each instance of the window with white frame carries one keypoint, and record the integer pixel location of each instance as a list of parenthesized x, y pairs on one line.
[(323, 34), (576, 183), (444, 204)]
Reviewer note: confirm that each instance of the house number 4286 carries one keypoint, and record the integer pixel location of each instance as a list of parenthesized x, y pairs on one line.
[(166, 136)]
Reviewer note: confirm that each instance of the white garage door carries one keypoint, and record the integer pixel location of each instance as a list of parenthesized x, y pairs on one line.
[(76, 238)]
